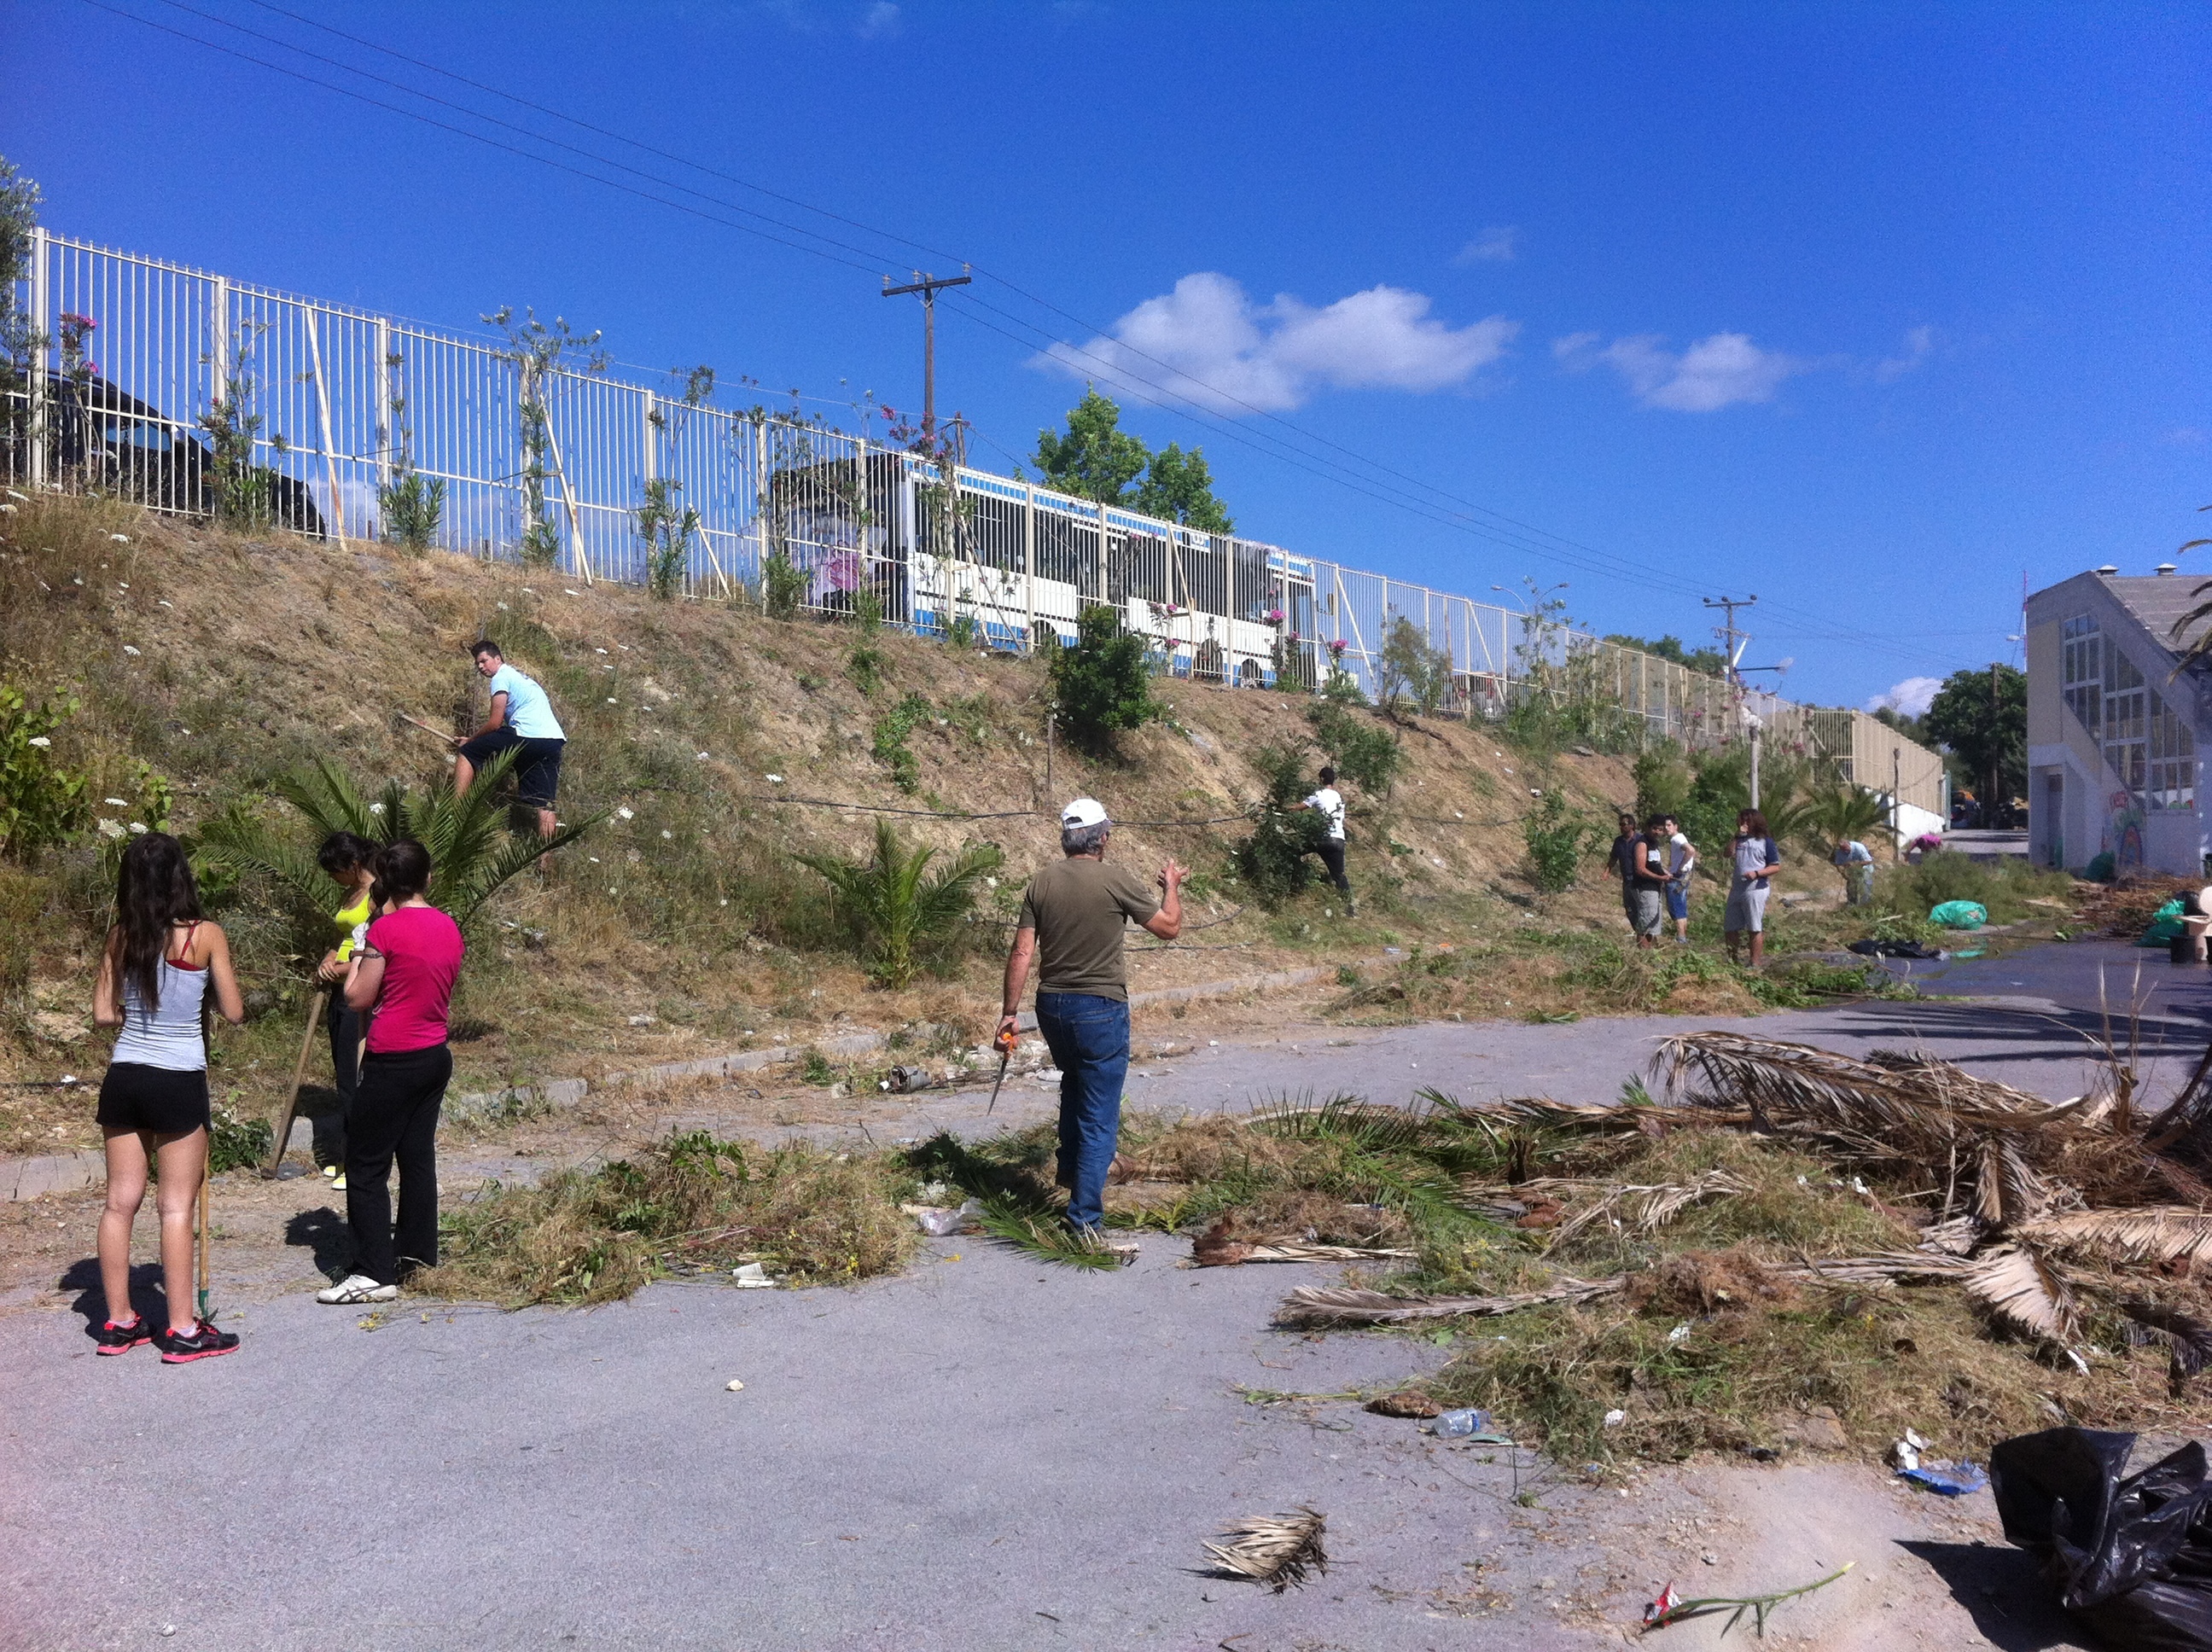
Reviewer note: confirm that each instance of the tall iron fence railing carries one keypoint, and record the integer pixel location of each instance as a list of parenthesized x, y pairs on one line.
[(193, 393)]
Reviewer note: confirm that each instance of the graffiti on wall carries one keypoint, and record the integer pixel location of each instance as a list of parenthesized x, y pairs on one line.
[(2123, 839)]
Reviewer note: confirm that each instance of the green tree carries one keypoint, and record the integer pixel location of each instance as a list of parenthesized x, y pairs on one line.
[(18, 333), (1101, 686), (1411, 672), (1272, 859), (1096, 459), (1982, 715), (1178, 487), (896, 908), (1558, 840)]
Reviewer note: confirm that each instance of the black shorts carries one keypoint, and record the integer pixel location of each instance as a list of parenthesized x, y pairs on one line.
[(537, 762), (163, 1100)]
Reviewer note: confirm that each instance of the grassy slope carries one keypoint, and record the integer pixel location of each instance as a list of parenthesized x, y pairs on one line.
[(256, 655)]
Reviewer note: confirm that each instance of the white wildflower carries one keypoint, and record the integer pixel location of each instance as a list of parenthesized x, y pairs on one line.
[(110, 828), (776, 780), (665, 832), (702, 756), (117, 803), (376, 808), (626, 812), (137, 827)]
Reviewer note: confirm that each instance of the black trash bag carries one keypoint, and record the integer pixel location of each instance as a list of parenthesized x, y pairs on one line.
[(2131, 1558), (1883, 949)]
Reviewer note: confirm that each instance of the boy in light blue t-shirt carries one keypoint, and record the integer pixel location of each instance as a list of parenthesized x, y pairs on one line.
[(522, 721)]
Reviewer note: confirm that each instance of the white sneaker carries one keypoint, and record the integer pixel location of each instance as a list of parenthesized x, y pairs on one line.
[(357, 1288)]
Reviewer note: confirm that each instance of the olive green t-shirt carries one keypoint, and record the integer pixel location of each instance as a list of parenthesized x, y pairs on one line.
[(1076, 906)]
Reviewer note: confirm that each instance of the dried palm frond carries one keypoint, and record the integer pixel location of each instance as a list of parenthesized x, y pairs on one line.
[(1881, 1269), (1782, 1083), (1653, 1205), (1314, 1305), (1277, 1550), (2006, 1189), (2186, 1339), (2022, 1287), (1956, 1237), (2156, 1233)]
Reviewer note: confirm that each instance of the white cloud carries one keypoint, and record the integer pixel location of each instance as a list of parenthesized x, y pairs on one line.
[(1910, 698), (879, 20), (1496, 244), (2185, 436), (1221, 349), (1710, 375), (1919, 345)]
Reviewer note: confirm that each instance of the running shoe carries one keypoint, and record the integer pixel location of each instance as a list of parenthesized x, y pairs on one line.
[(115, 1339), (202, 1341), (357, 1288)]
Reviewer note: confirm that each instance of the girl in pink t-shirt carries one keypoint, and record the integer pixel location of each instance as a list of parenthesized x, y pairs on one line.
[(402, 977)]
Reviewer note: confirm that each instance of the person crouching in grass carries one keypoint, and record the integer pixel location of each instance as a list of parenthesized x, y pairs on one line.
[(521, 720), (402, 977), (160, 965)]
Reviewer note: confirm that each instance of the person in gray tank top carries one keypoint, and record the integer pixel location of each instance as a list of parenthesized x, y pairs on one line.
[(161, 964)]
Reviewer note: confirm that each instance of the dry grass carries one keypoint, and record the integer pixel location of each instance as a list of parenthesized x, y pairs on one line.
[(239, 640), (688, 1204)]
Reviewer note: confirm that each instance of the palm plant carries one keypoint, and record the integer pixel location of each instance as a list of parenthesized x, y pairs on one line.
[(471, 851), (895, 906), (1837, 815)]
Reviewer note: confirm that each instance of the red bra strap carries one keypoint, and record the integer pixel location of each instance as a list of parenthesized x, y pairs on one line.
[(185, 952)]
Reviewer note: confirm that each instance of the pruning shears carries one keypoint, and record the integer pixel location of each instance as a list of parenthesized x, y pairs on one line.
[(1005, 1043)]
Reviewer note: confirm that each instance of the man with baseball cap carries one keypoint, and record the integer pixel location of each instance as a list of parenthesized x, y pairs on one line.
[(1070, 925)]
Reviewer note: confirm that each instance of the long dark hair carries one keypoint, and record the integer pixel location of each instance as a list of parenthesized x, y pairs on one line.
[(153, 893), (1752, 823), (402, 870), (344, 852)]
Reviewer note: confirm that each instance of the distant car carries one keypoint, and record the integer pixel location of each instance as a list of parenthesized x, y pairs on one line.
[(99, 435)]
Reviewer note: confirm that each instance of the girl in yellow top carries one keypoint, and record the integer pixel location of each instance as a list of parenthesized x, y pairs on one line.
[(345, 857)]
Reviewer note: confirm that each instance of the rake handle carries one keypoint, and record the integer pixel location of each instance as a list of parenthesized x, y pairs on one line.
[(299, 1075)]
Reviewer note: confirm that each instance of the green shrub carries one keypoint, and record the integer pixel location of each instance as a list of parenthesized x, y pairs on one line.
[(1365, 752), (41, 802), (1101, 686), (889, 747), (665, 527), (783, 584), (1272, 859), (236, 1144), (1662, 783), (411, 507), (1557, 840)]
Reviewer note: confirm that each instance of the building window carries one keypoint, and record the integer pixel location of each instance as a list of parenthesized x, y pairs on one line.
[(2149, 745), (2083, 672)]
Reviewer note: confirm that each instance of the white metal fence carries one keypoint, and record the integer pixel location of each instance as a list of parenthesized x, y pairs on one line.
[(194, 394)]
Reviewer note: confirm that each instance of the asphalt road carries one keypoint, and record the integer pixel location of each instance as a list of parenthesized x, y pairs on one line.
[(981, 1453)]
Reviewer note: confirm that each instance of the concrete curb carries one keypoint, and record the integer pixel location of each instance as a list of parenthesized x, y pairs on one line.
[(28, 1178)]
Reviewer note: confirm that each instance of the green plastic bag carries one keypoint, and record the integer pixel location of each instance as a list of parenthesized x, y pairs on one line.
[(1959, 914), (2166, 925)]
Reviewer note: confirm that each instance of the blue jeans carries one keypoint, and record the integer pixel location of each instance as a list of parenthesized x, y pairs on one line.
[(1678, 899), (1089, 1037)]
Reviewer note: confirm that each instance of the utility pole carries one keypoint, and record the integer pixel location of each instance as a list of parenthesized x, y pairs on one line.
[(928, 285), (1996, 755), (1736, 641)]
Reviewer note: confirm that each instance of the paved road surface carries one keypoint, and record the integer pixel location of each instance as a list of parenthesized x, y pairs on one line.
[(981, 1453)]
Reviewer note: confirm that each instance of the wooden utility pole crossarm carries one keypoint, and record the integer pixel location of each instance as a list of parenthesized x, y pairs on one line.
[(929, 287)]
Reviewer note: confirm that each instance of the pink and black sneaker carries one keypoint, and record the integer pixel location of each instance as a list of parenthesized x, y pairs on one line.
[(115, 1339), (202, 1341)]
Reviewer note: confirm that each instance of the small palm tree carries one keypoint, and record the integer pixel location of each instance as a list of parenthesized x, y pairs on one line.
[(471, 852), (1836, 814), (894, 906)]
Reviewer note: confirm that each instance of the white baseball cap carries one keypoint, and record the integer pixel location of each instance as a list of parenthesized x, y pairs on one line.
[(1084, 811)]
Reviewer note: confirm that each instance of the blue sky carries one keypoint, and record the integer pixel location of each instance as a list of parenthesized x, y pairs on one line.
[(1869, 310)]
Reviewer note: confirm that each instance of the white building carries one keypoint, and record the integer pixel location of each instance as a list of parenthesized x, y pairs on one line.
[(2112, 731)]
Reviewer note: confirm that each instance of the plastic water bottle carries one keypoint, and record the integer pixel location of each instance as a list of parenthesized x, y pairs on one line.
[(1458, 1424)]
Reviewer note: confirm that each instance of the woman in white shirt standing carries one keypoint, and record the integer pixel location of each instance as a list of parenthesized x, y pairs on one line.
[(161, 963)]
